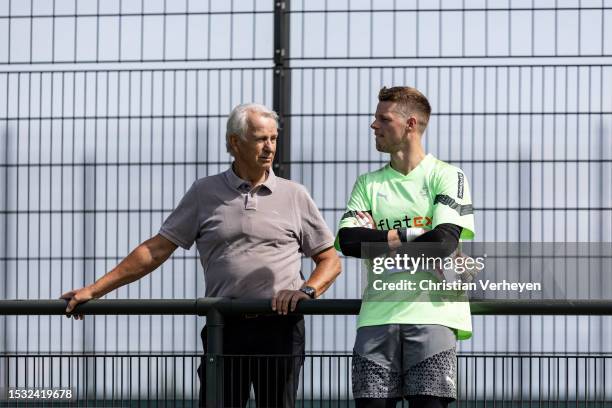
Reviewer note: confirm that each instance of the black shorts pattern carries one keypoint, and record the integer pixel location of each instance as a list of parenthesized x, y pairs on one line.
[(435, 376), (372, 380)]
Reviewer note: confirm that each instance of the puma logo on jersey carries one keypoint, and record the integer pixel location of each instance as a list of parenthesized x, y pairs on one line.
[(381, 195)]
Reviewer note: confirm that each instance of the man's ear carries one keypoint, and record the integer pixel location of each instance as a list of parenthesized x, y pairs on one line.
[(411, 123), (233, 139)]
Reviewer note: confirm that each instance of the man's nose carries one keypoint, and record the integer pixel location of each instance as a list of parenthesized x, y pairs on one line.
[(374, 125)]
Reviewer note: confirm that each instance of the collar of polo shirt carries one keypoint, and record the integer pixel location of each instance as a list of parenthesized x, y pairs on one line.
[(236, 182)]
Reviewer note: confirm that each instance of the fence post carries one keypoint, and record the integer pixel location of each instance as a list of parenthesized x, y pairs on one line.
[(214, 359), (282, 87)]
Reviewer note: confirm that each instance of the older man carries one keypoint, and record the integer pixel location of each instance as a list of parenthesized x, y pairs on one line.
[(251, 229)]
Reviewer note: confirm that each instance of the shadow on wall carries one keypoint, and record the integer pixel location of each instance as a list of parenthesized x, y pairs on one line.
[(3, 233), (88, 240), (3, 207), (605, 182)]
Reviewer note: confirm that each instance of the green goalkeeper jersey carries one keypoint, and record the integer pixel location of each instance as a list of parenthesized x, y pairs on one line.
[(433, 193)]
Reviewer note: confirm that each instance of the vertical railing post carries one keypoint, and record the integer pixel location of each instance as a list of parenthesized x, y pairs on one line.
[(214, 359), (282, 87)]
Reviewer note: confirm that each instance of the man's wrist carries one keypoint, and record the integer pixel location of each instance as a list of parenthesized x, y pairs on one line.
[(92, 290), (403, 234), (99, 288), (308, 290), (393, 239)]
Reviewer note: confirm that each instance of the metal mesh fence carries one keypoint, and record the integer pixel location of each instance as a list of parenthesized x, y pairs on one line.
[(519, 100), (170, 379), (102, 133), (111, 109), (393, 29), (94, 31)]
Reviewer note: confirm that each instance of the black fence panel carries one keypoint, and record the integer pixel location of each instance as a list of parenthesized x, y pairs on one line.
[(170, 379), (110, 110)]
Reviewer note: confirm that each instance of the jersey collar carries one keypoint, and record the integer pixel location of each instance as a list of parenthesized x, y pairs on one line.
[(414, 172)]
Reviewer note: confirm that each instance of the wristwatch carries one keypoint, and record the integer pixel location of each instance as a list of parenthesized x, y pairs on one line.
[(309, 290)]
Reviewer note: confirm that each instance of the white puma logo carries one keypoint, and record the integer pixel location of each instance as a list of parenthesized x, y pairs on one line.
[(450, 380), (382, 195)]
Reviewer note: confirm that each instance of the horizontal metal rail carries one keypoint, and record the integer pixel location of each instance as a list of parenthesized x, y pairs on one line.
[(217, 309), (202, 306)]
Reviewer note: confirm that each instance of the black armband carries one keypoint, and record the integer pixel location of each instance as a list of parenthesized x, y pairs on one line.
[(351, 239)]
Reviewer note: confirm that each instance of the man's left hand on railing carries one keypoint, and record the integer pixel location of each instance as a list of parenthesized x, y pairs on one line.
[(327, 269), (286, 300)]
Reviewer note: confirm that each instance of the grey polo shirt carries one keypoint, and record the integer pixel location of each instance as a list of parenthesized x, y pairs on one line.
[(250, 240)]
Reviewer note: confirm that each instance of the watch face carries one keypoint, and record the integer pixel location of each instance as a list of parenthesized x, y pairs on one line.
[(310, 291)]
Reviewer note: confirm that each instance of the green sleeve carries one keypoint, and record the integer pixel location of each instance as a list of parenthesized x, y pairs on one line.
[(453, 201), (358, 201)]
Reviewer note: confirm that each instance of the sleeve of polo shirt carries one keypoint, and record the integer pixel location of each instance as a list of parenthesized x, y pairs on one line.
[(315, 236), (182, 225)]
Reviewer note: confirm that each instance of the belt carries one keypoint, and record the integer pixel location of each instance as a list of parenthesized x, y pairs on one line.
[(254, 316)]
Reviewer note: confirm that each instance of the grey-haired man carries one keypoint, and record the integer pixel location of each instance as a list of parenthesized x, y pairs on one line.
[(251, 229)]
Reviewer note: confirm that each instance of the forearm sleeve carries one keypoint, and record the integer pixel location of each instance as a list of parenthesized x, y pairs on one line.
[(446, 237), (351, 240)]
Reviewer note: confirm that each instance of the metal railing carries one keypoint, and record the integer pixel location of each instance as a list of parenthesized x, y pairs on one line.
[(122, 378)]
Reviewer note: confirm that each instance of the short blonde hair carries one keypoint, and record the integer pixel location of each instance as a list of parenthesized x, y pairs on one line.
[(410, 100)]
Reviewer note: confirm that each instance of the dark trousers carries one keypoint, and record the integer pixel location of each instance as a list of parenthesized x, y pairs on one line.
[(265, 351)]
